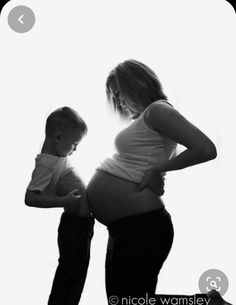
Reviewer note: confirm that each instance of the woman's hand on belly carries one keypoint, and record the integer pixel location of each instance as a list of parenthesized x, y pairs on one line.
[(154, 180)]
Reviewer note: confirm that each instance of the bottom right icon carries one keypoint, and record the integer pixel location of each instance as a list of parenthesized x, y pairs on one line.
[(213, 279)]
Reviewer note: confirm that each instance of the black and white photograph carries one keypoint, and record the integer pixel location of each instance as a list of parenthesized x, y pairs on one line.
[(117, 147)]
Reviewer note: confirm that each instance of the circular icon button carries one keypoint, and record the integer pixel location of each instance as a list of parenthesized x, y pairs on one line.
[(21, 19), (213, 279)]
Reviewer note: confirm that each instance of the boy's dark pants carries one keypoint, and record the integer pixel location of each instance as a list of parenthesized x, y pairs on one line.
[(74, 239)]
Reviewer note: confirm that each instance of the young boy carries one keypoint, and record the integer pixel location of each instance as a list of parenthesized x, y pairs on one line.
[(54, 184)]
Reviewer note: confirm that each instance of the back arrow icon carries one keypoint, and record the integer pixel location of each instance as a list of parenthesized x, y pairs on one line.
[(20, 19)]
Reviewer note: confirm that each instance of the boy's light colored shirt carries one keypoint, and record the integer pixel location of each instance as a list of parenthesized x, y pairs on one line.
[(48, 170)]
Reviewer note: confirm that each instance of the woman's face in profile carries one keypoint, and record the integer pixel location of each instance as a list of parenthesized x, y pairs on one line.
[(127, 104)]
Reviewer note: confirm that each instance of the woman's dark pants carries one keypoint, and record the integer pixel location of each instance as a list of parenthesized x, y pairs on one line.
[(137, 248), (74, 239)]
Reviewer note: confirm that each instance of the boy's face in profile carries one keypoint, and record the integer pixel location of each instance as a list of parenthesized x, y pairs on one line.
[(66, 142)]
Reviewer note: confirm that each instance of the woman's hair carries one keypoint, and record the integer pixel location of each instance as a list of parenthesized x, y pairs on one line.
[(64, 119), (136, 82)]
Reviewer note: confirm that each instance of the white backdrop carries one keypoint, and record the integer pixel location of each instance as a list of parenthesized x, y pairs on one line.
[(64, 60)]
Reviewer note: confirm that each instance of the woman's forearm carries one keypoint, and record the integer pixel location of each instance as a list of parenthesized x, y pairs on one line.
[(44, 201), (187, 158)]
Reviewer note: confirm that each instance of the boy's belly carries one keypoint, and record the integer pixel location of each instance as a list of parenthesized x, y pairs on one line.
[(68, 183), (111, 198)]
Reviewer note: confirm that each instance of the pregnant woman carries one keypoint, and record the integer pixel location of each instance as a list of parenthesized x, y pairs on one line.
[(125, 192)]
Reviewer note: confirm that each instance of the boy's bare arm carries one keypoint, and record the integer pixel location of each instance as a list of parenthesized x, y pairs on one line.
[(41, 200)]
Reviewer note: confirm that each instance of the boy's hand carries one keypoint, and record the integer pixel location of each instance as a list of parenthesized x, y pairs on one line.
[(72, 199)]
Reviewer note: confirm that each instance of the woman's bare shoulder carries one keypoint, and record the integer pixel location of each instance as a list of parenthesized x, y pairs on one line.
[(159, 104), (157, 111)]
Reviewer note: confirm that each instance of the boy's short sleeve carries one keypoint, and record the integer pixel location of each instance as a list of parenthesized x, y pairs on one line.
[(41, 178)]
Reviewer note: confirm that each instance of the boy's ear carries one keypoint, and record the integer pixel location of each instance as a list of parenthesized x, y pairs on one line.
[(58, 136)]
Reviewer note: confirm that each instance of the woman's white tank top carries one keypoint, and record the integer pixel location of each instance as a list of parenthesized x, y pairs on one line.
[(139, 148)]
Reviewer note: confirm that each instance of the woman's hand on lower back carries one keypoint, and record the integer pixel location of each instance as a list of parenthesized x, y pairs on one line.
[(154, 180)]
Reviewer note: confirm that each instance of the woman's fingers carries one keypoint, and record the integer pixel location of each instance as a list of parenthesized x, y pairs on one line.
[(153, 180), (141, 186), (146, 181)]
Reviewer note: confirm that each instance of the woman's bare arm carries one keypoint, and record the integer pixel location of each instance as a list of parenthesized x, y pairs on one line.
[(169, 122)]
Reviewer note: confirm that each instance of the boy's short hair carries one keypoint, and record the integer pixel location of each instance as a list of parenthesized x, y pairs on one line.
[(64, 119)]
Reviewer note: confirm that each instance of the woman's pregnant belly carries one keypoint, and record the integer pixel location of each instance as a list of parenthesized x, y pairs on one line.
[(111, 198)]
